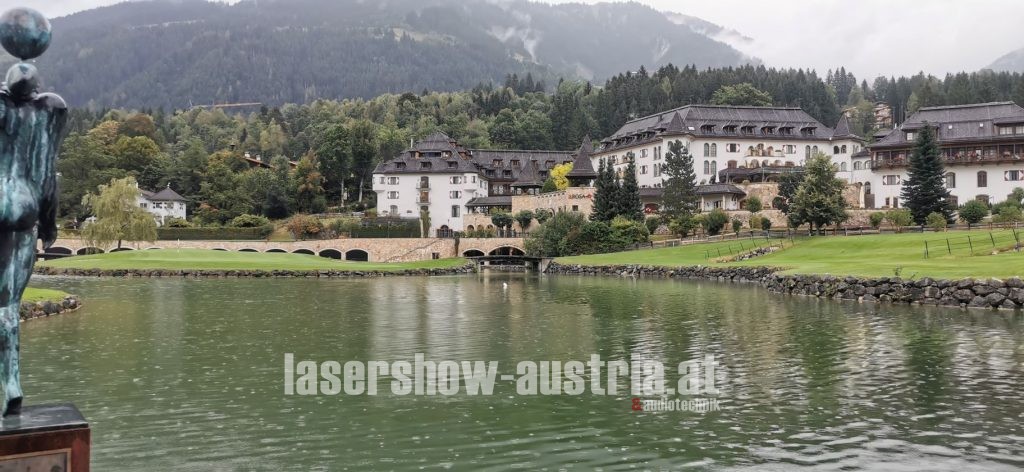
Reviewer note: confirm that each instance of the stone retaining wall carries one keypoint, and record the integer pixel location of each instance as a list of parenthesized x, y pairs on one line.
[(965, 293), (31, 310), (467, 269)]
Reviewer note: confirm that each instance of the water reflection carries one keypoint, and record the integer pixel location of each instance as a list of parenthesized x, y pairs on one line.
[(187, 375)]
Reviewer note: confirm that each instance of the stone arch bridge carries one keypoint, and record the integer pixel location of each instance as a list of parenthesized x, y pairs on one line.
[(375, 250)]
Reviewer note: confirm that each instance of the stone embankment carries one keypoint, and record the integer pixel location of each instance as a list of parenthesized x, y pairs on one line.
[(965, 293), (199, 273), (31, 310)]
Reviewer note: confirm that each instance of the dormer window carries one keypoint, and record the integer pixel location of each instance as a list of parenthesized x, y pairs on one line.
[(400, 165), (910, 135), (707, 129), (768, 130), (446, 154), (729, 129), (747, 130), (453, 165), (515, 163), (425, 165), (786, 130), (506, 173), (496, 163)]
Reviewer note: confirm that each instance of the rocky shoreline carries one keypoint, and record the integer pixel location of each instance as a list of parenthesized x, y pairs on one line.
[(30, 310), (241, 273), (966, 293)]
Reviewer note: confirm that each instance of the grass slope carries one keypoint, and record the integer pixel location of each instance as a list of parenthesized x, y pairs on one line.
[(201, 259), (872, 255), (33, 295)]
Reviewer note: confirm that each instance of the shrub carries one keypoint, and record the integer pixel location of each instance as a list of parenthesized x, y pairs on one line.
[(714, 221), (754, 205), (755, 222), (1008, 214), (737, 225), (547, 240), (876, 219), (249, 221), (652, 223), (766, 223), (542, 215), (683, 226), (305, 227), (936, 221), (899, 218), (973, 212), (177, 223), (628, 231), (591, 238)]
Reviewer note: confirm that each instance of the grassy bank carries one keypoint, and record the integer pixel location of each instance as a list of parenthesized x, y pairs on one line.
[(872, 255), (202, 259), (33, 295)]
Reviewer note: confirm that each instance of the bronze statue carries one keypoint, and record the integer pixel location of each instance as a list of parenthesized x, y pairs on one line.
[(31, 129)]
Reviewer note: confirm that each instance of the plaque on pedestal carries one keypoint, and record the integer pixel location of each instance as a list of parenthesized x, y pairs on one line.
[(45, 438)]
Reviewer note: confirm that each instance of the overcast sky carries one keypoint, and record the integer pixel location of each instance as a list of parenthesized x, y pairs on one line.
[(868, 37)]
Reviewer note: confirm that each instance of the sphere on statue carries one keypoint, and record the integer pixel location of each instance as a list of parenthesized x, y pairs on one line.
[(22, 80), (24, 33)]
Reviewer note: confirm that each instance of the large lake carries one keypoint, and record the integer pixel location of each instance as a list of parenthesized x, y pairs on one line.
[(188, 375)]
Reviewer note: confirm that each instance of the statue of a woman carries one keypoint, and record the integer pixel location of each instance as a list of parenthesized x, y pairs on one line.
[(31, 129)]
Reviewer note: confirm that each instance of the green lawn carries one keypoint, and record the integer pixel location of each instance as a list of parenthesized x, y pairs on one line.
[(199, 259), (873, 255), (33, 295)]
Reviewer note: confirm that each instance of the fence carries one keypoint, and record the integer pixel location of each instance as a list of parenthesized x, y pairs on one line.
[(972, 244), (740, 247)]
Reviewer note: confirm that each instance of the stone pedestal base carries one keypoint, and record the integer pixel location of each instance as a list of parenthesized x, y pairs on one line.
[(46, 438)]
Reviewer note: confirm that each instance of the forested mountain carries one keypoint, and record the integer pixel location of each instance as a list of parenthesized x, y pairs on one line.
[(174, 54), (1012, 61)]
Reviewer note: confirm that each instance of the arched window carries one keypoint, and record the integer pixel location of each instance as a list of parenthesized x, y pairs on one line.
[(857, 165), (707, 167), (982, 179), (835, 149), (842, 149), (814, 149), (807, 152), (842, 167), (950, 180), (707, 150), (714, 150), (714, 168)]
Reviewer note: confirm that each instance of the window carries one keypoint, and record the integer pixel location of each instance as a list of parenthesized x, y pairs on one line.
[(789, 149), (456, 179), (732, 164), (891, 180), (1019, 129), (643, 153), (657, 170), (144, 205), (515, 163), (425, 165), (982, 179), (393, 210), (707, 167), (835, 149), (382, 180), (453, 165), (982, 199), (392, 180), (455, 211), (842, 167), (858, 165), (707, 150), (714, 150), (1014, 175), (1005, 130), (714, 167), (807, 152), (950, 180), (392, 195), (910, 135), (643, 170), (842, 149), (814, 149), (732, 147), (455, 194)]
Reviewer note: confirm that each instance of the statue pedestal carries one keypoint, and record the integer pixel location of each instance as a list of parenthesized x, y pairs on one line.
[(45, 438)]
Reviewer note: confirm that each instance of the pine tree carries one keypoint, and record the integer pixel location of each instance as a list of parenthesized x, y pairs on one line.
[(679, 198), (925, 192), (819, 200), (604, 193), (629, 202)]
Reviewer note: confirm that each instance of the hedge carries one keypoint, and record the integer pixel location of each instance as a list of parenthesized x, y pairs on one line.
[(214, 234)]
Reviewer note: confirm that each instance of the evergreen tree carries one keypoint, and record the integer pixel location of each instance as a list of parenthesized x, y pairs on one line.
[(819, 200), (629, 204), (925, 191), (604, 193), (679, 198)]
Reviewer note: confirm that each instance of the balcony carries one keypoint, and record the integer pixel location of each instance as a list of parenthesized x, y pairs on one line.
[(964, 159)]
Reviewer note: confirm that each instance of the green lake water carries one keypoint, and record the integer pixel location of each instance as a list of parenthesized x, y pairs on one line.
[(187, 375)]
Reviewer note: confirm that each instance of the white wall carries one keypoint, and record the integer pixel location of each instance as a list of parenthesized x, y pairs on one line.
[(966, 185), (439, 194), (162, 211)]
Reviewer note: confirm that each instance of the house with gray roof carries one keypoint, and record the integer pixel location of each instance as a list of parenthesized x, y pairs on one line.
[(728, 143), (981, 145), (163, 204)]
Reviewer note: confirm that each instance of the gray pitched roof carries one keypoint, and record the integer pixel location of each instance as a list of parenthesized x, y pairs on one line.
[(440, 154), (165, 195), (959, 123), (582, 168), (721, 121), (500, 200), (529, 176), (718, 189), (842, 130)]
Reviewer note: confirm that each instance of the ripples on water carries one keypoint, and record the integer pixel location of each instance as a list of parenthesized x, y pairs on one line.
[(187, 375)]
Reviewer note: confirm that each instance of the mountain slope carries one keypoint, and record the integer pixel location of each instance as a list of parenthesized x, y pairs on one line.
[(1010, 62), (175, 53)]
